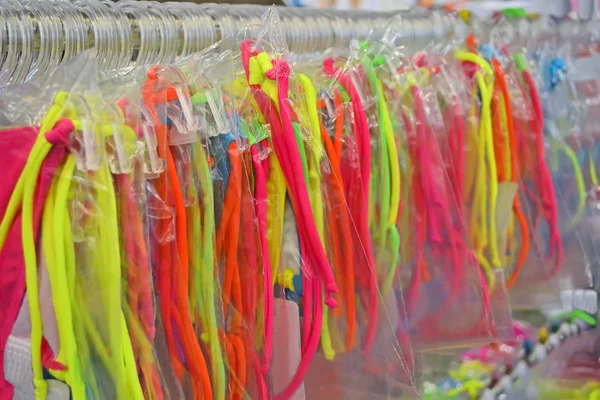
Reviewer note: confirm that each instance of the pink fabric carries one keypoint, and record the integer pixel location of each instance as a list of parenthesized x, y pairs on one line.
[(15, 146)]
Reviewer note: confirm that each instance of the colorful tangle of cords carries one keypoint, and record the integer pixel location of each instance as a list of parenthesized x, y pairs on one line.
[(289, 228)]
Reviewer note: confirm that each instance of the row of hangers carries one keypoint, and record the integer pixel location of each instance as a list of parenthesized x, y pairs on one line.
[(37, 36)]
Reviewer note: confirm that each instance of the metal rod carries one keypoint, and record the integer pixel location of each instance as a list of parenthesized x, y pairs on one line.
[(128, 32)]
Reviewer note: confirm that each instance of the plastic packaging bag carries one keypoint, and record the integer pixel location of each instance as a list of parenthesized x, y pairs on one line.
[(437, 263), (23, 109), (130, 150), (456, 103), (555, 202), (91, 349), (276, 94), (168, 116)]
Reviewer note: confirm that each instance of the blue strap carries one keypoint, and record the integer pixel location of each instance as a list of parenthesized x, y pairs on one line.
[(487, 52)]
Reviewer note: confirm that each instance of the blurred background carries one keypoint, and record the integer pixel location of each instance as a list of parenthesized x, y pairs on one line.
[(482, 8)]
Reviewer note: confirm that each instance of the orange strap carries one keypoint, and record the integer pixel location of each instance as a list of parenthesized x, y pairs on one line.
[(227, 241), (345, 276), (501, 80), (178, 271)]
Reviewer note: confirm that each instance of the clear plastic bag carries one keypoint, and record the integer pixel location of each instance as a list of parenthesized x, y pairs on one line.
[(37, 132), (288, 103), (559, 234), (237, 167), (91, 349), (458, 149), (438, 267), (166, 91), (125, 146)]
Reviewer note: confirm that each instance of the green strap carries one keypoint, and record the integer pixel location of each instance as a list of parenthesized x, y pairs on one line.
[(205, 285), (585, 317), (301, 149)]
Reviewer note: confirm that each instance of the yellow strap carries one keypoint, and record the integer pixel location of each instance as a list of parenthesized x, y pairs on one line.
[(507, 162), (55, 252), (393, 158), (310, 97), (487, 135), (486, 155), (558, 146), (32, 169), (592, 168), (276, 193), (257, 67), (206, 297), (473, 388), (25, 191), (394, 187), (315, 153), (125, 373)]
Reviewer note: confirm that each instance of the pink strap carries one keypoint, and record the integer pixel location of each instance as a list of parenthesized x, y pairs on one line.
[(457, 140), (359, 208), (424, 161), (260, 195), (280, 72), (545, 184), (311, 290), (436, 197)]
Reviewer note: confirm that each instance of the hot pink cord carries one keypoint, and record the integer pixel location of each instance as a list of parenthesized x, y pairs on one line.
[(359, 209), (574, 12), (435, 200), (260, 194), (545, 184), (281, 72), (457, 138), (291, 165), (424, 161)]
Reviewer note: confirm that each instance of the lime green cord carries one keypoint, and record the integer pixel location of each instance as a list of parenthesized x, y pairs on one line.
[(472, 388), (40, 149), (389, 182), (301, 149), (582, 315), (74, 290), (561, 147), (315, 153), (58, 257), (205, 285)]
